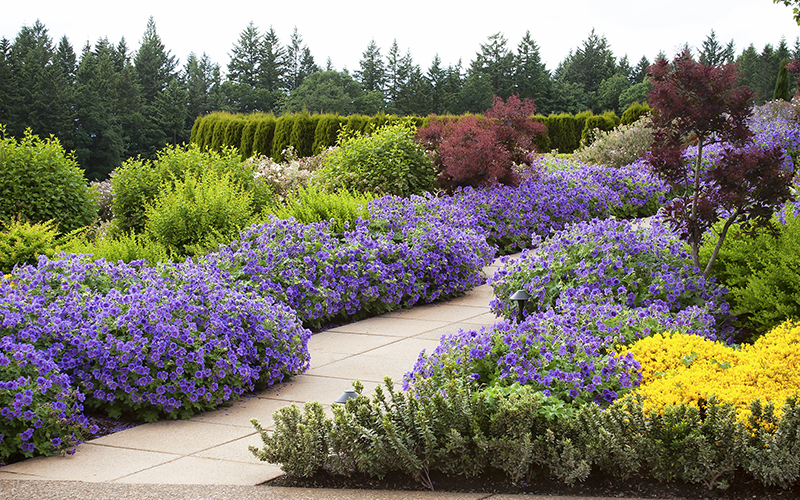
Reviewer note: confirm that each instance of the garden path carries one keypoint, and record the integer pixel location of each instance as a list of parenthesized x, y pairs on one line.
[(211, 448)]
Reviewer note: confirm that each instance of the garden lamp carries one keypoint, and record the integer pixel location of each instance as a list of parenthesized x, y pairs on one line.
[(348, 394), (520, 297)]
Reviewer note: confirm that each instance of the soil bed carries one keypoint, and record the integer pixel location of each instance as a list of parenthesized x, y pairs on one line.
[(595, 486)]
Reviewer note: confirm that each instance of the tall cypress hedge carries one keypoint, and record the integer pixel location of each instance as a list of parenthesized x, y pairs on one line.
[(265, 132)]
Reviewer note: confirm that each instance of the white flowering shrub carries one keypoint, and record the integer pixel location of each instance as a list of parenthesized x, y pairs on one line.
[(285, 178)]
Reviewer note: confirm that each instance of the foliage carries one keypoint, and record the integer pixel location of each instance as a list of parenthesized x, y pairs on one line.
[(22, 242), (453, 429), (307, 205), (761, 272), (40, 411), (137, 183), (105, 197), (198, 213), (634, 112), (149, 342), (620, 146), (387, 161), (125, 247), (41, 182), (482, 152), (700, 104)]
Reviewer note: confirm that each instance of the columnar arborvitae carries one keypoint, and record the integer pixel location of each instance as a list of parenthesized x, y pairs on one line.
[(282, 138), (782, 84), (302, 135), (262, 143), (248, 135)]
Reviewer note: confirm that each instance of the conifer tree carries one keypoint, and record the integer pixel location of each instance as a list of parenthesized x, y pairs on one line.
[(371, 74)]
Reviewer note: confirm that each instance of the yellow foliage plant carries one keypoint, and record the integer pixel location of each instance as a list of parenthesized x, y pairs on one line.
[(688, 369)]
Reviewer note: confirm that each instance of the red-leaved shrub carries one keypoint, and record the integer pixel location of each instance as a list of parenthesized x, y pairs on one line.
[(473, 151)]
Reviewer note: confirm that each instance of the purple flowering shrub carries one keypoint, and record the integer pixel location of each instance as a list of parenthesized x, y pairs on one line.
[(165, 341), (636, 265), (372, 267), (41, 411), (543, 352), (557, 193)]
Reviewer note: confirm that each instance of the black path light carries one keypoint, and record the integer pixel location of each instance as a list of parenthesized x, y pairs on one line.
[(520, 297), (348, 394)]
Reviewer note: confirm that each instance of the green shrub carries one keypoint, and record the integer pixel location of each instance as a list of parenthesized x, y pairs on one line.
[(137, 182), (198, 213), (762, 272), (283, 137), (22, 242), (302, 136), (248, 136), (41, 182), (389, 161), (620, 146), (593, 124), (233, 132), (309, 205), (634, 112), (265, 132), (126, 247)]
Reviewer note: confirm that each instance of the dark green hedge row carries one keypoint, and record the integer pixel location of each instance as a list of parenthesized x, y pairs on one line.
[(267, 135), (264, 134)]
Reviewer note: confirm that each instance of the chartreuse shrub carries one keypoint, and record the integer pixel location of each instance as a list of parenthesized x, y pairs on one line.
[(22, 242), (138, 182), (41, 182), (762, 272), (307, 205), (41, 413), (125, 247), (388, 161), (199, 212)]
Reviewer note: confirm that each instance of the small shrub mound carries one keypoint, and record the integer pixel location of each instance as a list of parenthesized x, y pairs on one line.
[(387, 161), (307, 205), (40, 182), (197, 213), (22, 242), (762, 272), (618, 147)]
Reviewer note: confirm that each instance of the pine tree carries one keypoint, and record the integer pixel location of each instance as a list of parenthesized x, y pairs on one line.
[(246, 58), (713, 54), (531, 79), (371, 74), (7, 88), (436, 76), (639, 73), (497, 63), (299, 62), (782, 83), (155, 70), (588, 66)]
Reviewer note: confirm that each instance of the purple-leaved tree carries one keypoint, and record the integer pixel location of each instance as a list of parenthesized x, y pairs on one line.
[(701, 105)]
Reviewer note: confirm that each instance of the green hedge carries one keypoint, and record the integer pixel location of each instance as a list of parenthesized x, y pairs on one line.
[(264, 134)]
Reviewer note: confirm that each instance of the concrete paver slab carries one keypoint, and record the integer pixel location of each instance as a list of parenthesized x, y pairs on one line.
[(91, 463), (438, 312), (345, 342), (196, 470), (392, 326), (242, 411), (182, 437)]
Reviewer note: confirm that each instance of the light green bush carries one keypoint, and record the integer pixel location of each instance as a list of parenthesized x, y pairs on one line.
[(41, 182), (21, 242), (309, 205), (198, 213), (388, 161), (138, 182)]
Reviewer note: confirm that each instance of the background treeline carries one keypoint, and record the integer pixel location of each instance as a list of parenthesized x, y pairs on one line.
[(109, 103)]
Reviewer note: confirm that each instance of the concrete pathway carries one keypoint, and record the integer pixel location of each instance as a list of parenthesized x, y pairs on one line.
[(211, 448)]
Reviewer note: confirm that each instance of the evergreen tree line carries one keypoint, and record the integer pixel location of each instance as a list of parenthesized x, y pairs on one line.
[(111, 103)]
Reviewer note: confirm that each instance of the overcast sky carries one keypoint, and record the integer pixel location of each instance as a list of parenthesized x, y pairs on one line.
[(342, 30)]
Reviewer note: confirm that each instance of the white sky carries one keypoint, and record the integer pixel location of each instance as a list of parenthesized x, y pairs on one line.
[(342, 29)]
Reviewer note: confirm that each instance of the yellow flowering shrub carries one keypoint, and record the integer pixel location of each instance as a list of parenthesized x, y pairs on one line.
[(688, 369)]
